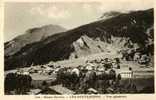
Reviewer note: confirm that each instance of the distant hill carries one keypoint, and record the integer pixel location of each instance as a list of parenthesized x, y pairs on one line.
[(31, 36), (130, 30)]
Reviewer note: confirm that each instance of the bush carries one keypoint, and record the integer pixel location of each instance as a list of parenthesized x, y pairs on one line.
[(19, 83)]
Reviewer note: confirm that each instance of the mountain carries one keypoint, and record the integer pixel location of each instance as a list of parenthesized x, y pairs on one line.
[(125, 31), (31, 36)]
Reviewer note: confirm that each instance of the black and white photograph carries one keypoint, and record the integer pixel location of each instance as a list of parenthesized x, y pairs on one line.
[(72, 48)]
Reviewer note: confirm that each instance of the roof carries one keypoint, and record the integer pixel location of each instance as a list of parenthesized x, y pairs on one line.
[(42, 77), (34, 91), (92, 90), (62, 90)]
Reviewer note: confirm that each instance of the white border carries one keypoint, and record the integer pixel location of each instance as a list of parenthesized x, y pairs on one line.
[(31, 97)]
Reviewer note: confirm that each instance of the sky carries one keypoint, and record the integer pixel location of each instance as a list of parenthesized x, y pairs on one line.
[(20, 16)]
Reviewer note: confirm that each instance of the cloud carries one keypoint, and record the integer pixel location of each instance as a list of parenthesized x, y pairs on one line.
[(50, 12), (125, 6), (87, 7)]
